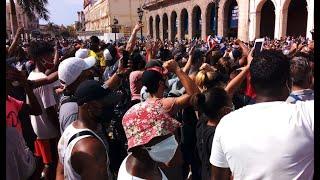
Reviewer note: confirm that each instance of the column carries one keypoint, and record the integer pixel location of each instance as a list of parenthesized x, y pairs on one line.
[(161, 27), (154, 27), (310, 23), (252, 22), (283, 22), (243, 20), (277, 31), (221, 18), (169, 26), (178, 24), (190, 22), (203, 24)]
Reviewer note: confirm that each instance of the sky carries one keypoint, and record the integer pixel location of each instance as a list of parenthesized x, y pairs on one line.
[(63, 11)]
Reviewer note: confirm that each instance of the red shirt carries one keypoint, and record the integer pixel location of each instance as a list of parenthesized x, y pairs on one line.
[(13, 106), (249, 89)]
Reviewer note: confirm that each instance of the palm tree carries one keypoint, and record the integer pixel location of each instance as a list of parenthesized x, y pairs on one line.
[(31, 8)]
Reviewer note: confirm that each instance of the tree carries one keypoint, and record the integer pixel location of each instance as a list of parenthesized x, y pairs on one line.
[(67, 32), (31, 8)]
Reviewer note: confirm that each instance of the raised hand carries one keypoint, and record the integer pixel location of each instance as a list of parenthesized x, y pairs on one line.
[(171, 66), (138, 26)]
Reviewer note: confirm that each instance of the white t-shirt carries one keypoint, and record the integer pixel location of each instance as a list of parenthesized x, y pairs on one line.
[(124, 175), (272, 140), (20, 162), (41, 125)]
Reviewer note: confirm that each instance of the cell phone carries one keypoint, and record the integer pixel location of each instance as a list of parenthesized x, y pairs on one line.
[(258, 45), (125, 58)]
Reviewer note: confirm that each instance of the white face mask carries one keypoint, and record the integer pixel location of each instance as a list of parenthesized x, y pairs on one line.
[(163, 151)]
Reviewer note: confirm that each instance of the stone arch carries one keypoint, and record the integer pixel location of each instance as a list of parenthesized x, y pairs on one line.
[(261, 3), (174, 25), (196, 22), (230, 23), (223, 16), (265, 18), (165, 26), (157, 27), (211, 19), (184, 24), (295, 12), (151, 26)]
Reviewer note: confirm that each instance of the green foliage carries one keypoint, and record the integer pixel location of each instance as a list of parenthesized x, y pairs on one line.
[(35, 7)]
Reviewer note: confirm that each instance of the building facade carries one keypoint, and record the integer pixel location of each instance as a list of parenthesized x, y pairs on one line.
[(97, 16), (245, 19), (23, 21)]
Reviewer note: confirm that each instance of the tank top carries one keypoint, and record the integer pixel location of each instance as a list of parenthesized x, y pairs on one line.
[(65, 150), (124, 175)]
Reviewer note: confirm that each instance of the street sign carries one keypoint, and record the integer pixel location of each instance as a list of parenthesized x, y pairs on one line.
[(115, 30)]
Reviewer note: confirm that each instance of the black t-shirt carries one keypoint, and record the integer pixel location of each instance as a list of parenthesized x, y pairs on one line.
[(204, 134)]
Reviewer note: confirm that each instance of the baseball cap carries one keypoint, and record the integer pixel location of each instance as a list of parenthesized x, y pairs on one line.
[(110, 53), (82, 53), (156, 65), (145, 121), (150, 77), (70, 69), (91, 90), (154, 62)]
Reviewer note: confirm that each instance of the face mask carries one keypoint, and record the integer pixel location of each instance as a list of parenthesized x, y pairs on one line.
[(163, 151)]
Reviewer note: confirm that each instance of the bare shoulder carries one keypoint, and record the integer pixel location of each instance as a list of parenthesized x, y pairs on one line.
[(86, 152), (89, 159), (89, 145)]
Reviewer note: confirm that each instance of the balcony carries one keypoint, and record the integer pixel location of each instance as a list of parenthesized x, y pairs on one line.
[(152, 4)]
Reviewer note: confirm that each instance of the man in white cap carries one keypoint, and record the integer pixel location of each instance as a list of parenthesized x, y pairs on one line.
[(72, 72), (82, 53)]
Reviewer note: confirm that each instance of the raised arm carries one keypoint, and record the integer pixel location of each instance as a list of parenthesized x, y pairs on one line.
[(15, 42), (114, 81), (190, 87), (187, 67), (235, 83), (44, 81), (133, 37), (245, 52)]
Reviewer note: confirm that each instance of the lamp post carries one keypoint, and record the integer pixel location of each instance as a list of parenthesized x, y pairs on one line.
[(216, 16), (115, 28), (140, 14)]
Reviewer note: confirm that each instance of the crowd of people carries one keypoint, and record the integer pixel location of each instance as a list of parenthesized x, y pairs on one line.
[(152, 109)]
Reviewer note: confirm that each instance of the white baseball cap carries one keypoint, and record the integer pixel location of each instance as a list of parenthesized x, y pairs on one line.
[(82, 53), (107, 55), (70, 69)]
